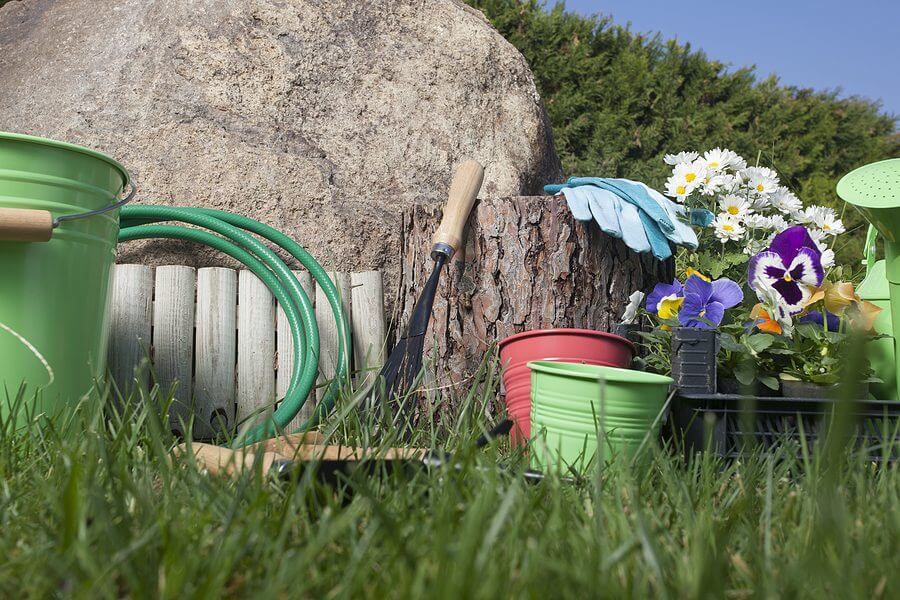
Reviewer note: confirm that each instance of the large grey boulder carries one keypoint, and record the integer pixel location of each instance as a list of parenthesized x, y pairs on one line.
[(323, 118)]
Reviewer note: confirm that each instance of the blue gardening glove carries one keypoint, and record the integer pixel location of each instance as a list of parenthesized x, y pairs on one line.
[(617, 218), (635, 233), (585, 207), (682, 235), (577, 199), (632, 193), (660, 217)]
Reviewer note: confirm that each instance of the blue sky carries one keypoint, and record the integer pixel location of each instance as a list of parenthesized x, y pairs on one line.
[(853, 45)]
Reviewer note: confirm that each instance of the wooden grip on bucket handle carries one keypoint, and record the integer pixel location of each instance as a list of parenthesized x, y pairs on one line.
[(25, 225), (463, 192)]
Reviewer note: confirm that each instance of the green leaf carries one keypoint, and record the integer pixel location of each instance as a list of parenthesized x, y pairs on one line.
[(768, 381), (745, 373), (727, 342), (759, 341)]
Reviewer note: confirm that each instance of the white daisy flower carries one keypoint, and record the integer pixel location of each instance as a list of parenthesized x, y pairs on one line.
[(759, 202), (817, 235), (681, 157), (769, 223), (694, 173), (827, 254), (719, 159), (830, 224), (758, 172), (756, 246), (717, 183), (808, 214), (777, 223), (678, 188), (686, 177), (735, 206), (785, 201), (762, 186), (727, 228)]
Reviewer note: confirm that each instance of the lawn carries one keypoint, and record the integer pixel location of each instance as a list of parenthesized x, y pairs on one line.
[(96, 507)]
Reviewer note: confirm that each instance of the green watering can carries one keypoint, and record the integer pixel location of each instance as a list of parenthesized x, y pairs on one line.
[(874, 190)]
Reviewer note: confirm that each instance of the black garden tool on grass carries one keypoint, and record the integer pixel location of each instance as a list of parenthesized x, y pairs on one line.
[(405, 361)]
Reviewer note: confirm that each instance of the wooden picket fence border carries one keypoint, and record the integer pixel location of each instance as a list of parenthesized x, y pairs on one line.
[(218, 342)]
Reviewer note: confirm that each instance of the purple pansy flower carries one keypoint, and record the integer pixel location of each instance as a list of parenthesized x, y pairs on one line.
[(663, 291), (705, 302), (791, 265), (815, 317)]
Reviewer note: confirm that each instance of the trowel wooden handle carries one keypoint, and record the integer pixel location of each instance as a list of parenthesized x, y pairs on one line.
[(25, 225), (463, 191)]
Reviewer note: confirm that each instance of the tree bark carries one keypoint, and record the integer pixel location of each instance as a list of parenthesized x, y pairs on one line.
[(527, 264)]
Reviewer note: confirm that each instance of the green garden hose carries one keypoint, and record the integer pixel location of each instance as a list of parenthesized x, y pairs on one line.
[(228, 233)]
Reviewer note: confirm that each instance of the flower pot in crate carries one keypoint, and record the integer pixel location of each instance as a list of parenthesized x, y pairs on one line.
[(730, 385), (797, 388), (694, 360), (563, 345)]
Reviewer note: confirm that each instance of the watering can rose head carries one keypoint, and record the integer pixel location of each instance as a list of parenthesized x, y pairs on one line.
[(699, 303)]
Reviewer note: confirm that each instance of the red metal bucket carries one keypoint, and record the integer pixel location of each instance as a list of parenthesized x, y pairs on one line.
[(565, 345)]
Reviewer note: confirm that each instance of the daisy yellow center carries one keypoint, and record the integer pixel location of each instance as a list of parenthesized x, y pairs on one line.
[(690, 177), (681, 190), (714, 165), (826, 226), (733, 210), (728, 227), (760, 187)]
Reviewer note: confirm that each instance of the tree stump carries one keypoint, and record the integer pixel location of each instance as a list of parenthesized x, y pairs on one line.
[(527, 264)]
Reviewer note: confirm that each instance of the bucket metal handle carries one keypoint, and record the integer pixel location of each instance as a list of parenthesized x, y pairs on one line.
[(32, 225)]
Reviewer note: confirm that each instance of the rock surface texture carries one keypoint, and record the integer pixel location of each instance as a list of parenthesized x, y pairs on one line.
[(323, 118)]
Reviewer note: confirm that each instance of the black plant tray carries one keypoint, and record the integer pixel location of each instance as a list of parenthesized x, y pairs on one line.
[(730, 423)]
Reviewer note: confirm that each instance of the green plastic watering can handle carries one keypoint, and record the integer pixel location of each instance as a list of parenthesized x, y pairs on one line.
[(869, 259)]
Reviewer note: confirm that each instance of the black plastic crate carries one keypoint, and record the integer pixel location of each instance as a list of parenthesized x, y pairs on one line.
[(728, 424)]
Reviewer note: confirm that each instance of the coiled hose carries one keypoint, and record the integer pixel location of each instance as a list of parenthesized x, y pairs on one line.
[(228, 233)]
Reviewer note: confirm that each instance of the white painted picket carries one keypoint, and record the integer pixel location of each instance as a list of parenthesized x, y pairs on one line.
[(215, 339)]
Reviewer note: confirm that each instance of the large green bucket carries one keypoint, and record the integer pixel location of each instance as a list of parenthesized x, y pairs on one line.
[(54, 294), (578, 409)]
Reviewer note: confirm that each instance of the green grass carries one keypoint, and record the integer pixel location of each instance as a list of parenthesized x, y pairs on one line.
[(95, 507)]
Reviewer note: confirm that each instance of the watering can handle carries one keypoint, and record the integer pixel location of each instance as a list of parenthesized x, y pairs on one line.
[(869, 259), (31, 225)]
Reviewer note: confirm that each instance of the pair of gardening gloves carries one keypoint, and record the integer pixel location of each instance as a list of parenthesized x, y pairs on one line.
[(643, 218)]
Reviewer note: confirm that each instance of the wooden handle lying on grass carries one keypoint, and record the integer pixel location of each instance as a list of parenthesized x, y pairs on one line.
[(25, 225), (463, 192), (224, 461)]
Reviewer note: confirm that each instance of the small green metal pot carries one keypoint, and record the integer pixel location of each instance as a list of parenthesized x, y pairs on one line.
[(577, 409)]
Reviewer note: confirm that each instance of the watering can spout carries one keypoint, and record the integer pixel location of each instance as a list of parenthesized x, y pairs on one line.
[(874, 190)]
